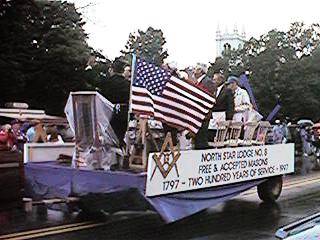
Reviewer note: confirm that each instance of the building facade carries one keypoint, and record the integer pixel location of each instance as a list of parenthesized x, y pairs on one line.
[(229, 41)]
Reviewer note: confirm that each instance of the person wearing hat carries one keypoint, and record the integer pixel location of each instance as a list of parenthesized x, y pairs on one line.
[(242, 104)]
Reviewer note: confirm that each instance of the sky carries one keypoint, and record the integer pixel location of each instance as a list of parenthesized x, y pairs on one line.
[(189, 26)]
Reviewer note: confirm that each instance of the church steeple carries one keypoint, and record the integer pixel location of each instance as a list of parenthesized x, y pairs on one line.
[(226, 31), (235, 29), (218, 32), (243, 34), (231, 41)]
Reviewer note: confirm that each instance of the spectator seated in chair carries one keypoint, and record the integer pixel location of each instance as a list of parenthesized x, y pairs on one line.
[(40, 135), (54, 136), (7, 138)]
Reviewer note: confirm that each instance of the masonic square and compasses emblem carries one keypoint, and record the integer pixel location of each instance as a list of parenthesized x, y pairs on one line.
[(167, 158)]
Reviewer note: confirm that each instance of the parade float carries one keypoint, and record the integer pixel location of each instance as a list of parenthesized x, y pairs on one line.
[(175, 181)]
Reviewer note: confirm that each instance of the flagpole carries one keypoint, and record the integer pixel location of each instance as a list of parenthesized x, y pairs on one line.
[(126, 161), (133, 65)]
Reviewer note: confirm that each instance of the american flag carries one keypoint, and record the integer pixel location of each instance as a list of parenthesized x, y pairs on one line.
[(155, 92)]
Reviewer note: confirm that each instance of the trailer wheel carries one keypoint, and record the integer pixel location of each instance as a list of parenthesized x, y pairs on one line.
[(270, 190), (317, 161)]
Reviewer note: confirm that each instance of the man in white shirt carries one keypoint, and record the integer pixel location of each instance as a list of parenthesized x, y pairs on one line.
[(242, 104)]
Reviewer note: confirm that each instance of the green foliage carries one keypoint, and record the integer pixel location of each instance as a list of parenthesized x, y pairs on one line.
[(281, 63), (16, 49), (97, 70), (148, 45), (43, 53), (220, 64)]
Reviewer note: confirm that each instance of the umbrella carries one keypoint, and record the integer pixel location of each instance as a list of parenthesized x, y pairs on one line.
[(305, 122)]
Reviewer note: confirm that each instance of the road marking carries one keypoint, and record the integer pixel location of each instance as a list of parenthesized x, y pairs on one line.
[(42, 232), (299, 184), (59, 231), (301, 180), (6, 236), (287, 186)]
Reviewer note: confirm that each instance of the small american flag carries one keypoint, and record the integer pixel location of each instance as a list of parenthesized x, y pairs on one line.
[(155, 92)]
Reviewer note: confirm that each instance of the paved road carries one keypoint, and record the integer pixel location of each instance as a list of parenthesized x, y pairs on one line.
[(244, 217)]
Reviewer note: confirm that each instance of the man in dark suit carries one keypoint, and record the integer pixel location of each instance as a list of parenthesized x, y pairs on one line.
[(117, 90), (206, 83), (224, 97), (224, 107)]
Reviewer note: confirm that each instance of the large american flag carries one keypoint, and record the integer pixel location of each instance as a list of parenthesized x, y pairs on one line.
[(155, 92)]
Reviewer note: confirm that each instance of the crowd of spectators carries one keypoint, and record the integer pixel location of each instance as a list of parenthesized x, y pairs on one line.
[(232, 103), (13, 136), (305, 135)]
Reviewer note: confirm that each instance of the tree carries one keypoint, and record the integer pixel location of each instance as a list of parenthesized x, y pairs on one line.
[(304, 39), (280, 67), (281, 64), (300, 86), (43, 53), (147, 45), (220, 64), (63, 52), (97, 71), (16, 47)]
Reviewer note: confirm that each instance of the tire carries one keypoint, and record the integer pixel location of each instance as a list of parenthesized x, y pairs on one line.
[(270, 190), (316, 165), (317, 162)]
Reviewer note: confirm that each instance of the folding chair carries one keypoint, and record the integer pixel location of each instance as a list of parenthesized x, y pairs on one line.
[(139, 157), (219, 140), (249, 130), (264, 126), (233, 134)]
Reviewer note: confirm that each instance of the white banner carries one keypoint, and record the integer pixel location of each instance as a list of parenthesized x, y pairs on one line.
[(196, 169)]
